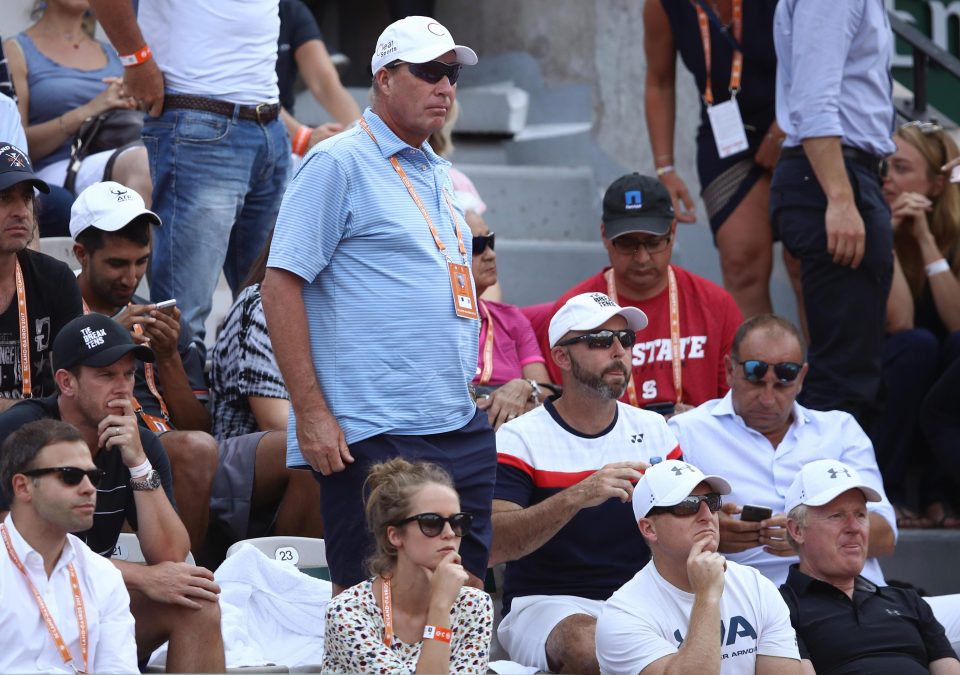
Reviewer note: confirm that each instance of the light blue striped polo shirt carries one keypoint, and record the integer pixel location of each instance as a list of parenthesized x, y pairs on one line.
[(389, 351)]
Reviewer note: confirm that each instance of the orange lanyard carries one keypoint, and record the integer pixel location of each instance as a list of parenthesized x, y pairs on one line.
[(25, 366), (45, 613), (386, 608), (736, 67), (675, 353), (487, 372), (423, 209), (148, 375)]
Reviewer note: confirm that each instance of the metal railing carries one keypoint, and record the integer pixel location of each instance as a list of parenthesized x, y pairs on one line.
[(925, 52)]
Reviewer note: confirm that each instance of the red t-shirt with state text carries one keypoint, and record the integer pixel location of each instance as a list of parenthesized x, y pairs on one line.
[(709, 318)]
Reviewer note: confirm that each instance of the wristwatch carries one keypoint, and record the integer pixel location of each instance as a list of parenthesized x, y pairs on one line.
[(149, 482)]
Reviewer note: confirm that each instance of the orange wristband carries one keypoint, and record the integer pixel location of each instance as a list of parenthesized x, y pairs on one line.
[(437, 633), (142, 55), (300, 140)]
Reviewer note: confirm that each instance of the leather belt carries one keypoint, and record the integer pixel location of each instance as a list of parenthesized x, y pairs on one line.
[(872, 163), (261, 113)]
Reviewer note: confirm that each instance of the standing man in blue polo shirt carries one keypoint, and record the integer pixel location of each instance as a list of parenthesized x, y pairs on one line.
[(369, 243), (835, 102)]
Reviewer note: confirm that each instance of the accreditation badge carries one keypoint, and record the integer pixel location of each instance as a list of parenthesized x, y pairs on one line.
[(464, 300), (727, 126)]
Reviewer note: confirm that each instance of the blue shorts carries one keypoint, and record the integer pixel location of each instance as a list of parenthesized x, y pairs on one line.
[(469, 455)]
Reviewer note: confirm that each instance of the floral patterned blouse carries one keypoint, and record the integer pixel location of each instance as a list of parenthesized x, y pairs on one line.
[(354, 635)]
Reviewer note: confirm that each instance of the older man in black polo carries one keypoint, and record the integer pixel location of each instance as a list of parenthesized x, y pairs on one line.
[(844, 623)]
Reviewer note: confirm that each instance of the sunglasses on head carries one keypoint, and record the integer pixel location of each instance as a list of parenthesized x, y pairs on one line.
[(689, 506), (603, 339), (786, 371), (431, 524), (69, 475), (432, 71), (481, 242)]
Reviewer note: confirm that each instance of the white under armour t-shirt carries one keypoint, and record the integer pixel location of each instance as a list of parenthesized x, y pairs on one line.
[(223, 49), (647, 619)]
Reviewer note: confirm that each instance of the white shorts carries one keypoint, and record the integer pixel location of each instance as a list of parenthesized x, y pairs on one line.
[(91, 170), (524, 631)]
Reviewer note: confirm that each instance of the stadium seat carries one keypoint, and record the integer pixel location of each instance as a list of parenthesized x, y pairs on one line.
[(309, 555), (60, 248)]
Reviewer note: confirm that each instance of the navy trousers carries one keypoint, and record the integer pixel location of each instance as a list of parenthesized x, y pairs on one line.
[(846, 307)]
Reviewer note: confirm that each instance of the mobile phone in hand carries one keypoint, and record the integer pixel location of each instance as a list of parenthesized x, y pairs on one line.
[(167, 304), (755, 514)]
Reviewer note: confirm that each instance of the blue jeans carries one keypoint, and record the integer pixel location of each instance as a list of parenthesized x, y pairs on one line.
[(217, 185)]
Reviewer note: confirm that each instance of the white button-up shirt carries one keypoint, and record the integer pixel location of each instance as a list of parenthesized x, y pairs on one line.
[(717, 441), (25, 643)]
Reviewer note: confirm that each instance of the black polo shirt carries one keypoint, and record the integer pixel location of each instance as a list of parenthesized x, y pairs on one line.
[(881, 630), (115, 502)]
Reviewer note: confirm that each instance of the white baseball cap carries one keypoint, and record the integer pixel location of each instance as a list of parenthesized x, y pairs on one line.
[(417, 39), (823, 481), (589, 310), (107, 206), (670, 482)]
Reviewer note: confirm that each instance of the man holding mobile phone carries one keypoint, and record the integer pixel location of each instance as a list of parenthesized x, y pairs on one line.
[(761, 437)]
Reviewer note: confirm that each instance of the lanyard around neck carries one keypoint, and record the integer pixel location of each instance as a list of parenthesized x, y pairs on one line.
[(24, 327), (675, 354), (736, 66), (423, 209), (486, 372), (78, 608), (386, 608)]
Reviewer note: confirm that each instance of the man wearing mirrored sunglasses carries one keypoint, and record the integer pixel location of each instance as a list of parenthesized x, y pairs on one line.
[(561, 513), (689, 316), (94, 361), (665, 619), (369, 238), (50, 480), (760, 437)]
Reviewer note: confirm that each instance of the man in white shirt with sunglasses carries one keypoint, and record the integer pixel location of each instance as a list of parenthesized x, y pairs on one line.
[(63, 608)]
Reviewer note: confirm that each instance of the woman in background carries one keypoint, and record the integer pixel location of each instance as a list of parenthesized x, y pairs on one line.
[(923, 316)]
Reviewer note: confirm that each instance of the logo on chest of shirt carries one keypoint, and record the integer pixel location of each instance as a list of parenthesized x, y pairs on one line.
[(739, 628), (661, 350)]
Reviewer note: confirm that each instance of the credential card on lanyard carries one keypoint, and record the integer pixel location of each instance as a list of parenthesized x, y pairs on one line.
[(727, 126)]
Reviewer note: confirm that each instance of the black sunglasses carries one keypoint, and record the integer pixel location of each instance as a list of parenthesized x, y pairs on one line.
[(689, 506), (786, 371), (432, 71), (69, 475), (431, 524), (481, 242), (603, 339)]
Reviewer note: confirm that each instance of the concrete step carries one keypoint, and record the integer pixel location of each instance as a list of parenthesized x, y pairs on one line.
[(926, 559), (499, 108), (536, 271), (555, 203)]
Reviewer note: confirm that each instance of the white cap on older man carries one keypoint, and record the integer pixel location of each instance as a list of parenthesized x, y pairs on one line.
[(591, 310), (107, 206), (669, 483), (417, 39), (824, 480)]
